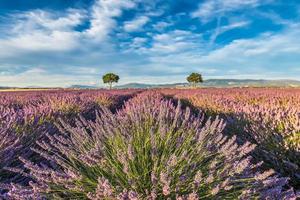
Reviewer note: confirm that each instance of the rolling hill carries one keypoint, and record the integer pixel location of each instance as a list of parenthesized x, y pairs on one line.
[(221, 83)]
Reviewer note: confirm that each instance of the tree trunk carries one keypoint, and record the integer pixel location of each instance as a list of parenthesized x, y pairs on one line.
[(110, 86)]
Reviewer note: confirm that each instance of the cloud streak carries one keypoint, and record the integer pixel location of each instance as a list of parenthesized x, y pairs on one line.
[(136, 24), (211, 9)]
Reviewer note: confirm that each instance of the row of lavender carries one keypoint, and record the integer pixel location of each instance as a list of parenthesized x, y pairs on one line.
[(268, 117), (152, 148), (25, 117)]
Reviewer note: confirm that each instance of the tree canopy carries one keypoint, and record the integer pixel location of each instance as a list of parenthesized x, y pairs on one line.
[(194, 78), (110, 78)]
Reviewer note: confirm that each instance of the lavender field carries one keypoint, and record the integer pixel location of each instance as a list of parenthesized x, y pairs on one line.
[(150, 144)]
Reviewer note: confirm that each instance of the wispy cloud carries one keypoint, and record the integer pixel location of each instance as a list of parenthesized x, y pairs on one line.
[(136, 24), (222, 29), (175, 41), (161, 25), (211, 9)]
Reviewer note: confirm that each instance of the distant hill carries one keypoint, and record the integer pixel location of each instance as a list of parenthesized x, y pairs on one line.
[(221, 83), (83, 87), (142, 85), (4, 88), (250, 83), (207, 83)]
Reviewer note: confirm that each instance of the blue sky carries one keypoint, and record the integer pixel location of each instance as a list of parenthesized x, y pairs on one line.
[(65, 42)]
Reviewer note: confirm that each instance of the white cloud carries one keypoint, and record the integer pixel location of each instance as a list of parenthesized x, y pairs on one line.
[(266, 45), (160, 26), (48, 21), (41, 31), (136, 24), (234, 26), (214, 8), (138, 42), (260, 57), (175, 41), (103, 13), (39, 41), (277, 19), (37, 76)]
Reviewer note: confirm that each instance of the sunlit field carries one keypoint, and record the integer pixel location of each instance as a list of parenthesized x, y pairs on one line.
[(19, 90), (150, 144)]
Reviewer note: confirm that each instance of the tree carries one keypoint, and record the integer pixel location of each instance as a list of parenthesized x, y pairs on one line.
[(194, 78), (110, 78)]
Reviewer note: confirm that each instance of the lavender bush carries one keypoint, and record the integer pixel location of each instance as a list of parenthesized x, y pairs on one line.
[(268, 117), (151, 149), (26, 116)]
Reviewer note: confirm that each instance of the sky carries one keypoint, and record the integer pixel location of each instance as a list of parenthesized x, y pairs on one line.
[(67, 42)]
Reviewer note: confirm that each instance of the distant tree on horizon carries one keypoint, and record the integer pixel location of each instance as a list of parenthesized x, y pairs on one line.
[(110, 78), (194, 79)]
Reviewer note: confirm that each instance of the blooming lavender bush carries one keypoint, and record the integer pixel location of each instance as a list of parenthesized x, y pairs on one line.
[(151, 149), (25, 116), (268, 117)]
